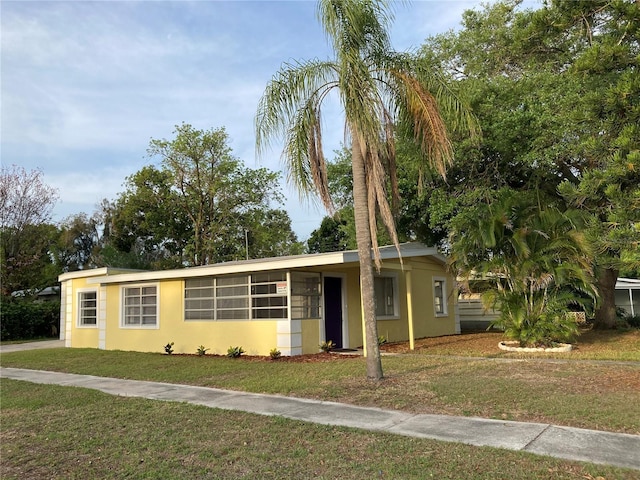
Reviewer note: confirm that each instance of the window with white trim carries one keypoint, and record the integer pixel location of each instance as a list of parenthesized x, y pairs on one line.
[(239, 297), (386, 296), (232, 298), (88, 308), (439, 296), (140, 306)]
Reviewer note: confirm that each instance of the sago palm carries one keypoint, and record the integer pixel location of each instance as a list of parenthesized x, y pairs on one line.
[(377, 88)]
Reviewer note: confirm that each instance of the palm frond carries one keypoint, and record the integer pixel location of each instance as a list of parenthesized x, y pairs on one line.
[(292, 86), (290, 108)]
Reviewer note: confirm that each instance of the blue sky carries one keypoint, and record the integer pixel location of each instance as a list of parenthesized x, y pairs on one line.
[(86, 84)]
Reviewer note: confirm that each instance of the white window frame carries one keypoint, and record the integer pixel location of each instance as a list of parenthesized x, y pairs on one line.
[(140, 326), (396, 298), (262, 295), (192, 311), (277, 296), (443, 299), (79, 316)]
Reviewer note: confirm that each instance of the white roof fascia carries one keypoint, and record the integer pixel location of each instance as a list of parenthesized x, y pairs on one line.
[(94, 272), (246, 266), (83, 273), (628, 283), (266, 264)]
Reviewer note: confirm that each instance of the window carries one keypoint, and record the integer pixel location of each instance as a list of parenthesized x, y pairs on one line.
[(140, 306), (232, 298), (88, 308), (239, 297), (385, 289), (305, 295), (199, 299), (439, 296), (269, 295)]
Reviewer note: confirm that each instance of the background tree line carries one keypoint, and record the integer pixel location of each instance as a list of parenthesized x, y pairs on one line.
[(198, 205)]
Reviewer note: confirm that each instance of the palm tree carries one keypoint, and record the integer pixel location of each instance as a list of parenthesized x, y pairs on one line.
[(535, 259), (377, 89)]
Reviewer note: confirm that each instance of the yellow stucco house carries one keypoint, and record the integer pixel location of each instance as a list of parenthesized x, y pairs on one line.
[(289, 303)]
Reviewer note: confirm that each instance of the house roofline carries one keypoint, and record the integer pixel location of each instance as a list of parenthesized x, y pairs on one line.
[(627, 283), (95, 272), (407, 250)]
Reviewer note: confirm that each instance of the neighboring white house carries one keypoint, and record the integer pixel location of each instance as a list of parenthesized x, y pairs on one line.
[(628, 295)]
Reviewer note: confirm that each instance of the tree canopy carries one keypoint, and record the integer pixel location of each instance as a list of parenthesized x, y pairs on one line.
[(26, 235), (557, 93), (200, 206)]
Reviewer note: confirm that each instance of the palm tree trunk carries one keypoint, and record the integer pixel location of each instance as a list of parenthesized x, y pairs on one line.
[(363, 239)]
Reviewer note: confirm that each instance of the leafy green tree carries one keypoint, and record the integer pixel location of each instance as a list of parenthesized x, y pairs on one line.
[(143, 226), (269, 234), (201, 206), (557, 92), (26, 234), (78, 242), (331, 236), (537, 262), (415, 184), (378, 89)]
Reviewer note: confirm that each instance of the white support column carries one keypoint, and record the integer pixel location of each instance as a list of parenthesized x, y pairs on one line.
[(63, 310), (102, 317), (68, 315), (289, 340)]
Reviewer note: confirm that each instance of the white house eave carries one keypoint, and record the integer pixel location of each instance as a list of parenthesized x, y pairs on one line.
[(408, 250), (247, 266), (94, 272), (628, 283)]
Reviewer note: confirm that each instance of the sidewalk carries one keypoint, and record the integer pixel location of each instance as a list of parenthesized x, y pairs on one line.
[(593, 446)]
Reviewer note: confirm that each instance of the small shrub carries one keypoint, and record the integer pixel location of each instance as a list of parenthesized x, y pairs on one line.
[(382, 340), (633, 321), (327, 345), (234, 352), (168, 348), (24, 319), (201, 350), (275, 354)]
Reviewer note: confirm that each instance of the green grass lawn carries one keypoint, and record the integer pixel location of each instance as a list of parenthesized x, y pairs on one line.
[(61, 432), (586, 394), (74, 433)]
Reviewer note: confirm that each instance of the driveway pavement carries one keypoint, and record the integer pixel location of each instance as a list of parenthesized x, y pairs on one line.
[(593, 446), (19, 347)]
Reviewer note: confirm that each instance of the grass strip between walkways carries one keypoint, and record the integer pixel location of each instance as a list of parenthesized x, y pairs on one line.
[(73, 433)]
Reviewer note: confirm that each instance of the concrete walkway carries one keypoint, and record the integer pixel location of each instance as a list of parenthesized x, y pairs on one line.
[(19, 347), (593, 446)]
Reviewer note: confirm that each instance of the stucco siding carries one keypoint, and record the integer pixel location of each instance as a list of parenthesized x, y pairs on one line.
[(426, 322), (156, 306), (310, 336)]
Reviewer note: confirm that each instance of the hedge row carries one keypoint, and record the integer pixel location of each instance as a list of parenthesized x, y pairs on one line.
[(22, 319)]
